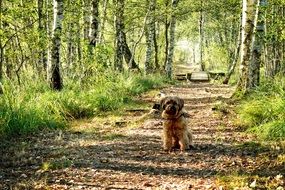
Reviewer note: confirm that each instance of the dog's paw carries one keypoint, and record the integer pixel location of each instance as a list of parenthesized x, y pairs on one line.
[(191, 147)]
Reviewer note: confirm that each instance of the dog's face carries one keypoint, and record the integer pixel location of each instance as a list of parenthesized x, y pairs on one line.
[(171, 105)]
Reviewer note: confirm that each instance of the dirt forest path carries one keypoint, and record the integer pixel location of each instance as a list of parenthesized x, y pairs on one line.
[(103, 154)]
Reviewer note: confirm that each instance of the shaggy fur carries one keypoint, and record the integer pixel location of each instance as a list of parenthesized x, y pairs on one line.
[(176, 133)]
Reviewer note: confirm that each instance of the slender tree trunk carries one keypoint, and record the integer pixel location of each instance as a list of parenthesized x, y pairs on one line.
[(42, 60), (166, 28), (130, 62), (129, 58), (70, 42), (79, 48), (86, 19), (156, 61), (49, 34), (150, 35), (119, 39), (172, 40), (101, 36), (257, 46), (235, 58), (248, 18), (122, 48), (56, 80), (94, 30), (201, 32), (1, 47)]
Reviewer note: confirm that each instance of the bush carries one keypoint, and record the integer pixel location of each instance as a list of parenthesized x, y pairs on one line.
[(24, 110)]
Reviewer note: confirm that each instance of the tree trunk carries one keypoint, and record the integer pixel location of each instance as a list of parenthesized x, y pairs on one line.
[(101, 36), (70, 46), (86, 18), (248, 18), (119, 39), (166, 27), (235, 58), (129, 58), (254, 71), (1, 48), (42, 59), (122, 48), (94, 25), (201, 33), (172, 40), (56, 80), (156, 61), (150, 36)]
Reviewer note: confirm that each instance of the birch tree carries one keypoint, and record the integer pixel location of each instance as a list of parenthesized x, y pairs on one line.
[(119, 44), (86, 19), (248, 19), (201, 37), (166, 28), (42, 60), (122, 48), (254, 71), (150, 36), (1, 46), (55, 78), (104, 18), (171, 40), (94, 30)]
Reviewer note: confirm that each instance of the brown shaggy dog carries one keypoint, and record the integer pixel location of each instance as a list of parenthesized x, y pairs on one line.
[(176, 133)]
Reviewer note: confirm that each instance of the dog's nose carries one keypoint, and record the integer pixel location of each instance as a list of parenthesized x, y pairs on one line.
[(172, 108)]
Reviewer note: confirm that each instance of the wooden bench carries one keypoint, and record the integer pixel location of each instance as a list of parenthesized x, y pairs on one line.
[(200, 76)]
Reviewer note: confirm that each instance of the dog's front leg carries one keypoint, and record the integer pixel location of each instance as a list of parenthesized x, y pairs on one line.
[(167, 139), (183, 142)]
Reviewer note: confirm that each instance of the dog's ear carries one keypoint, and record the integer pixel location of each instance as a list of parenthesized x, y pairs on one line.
[(162, 102), (180, 103), (156, 106)]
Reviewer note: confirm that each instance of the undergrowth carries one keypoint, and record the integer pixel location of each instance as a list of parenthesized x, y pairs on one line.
[(33, 106), (263, 111)]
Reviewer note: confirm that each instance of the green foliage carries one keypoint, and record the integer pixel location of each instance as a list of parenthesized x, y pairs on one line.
[(263, 111), (28, 109)]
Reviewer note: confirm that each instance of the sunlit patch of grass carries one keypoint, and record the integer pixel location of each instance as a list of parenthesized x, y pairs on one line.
[(281, 159), (236, 181), (232, 181), (56, 164)]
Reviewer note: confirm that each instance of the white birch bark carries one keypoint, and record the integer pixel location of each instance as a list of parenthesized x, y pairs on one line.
[(1, 48), (119, 38), (169, 62), (150, 35), (56, 80), (94, 23), (248, 19), (104, 18)]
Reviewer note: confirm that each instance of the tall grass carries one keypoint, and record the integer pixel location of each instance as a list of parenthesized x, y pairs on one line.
[(263, 112), (34, 106)]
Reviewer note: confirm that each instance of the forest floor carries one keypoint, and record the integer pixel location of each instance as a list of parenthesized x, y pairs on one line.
[(123, 151)]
